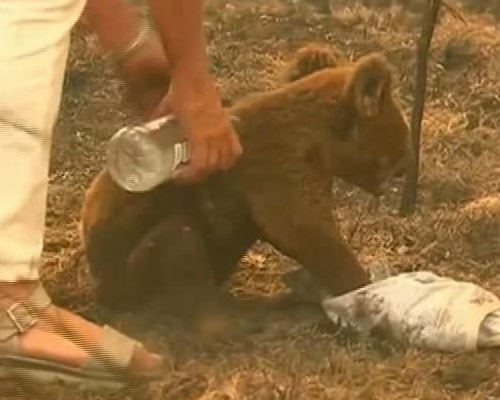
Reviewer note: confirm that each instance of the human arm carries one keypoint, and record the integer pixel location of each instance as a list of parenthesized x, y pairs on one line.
[(194, 98), (144, 71), (185, 69)]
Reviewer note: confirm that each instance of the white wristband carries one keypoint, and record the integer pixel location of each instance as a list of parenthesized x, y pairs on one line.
[(136, 43)]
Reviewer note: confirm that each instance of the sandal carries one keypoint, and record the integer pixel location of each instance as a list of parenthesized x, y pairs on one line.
[(102, 371)]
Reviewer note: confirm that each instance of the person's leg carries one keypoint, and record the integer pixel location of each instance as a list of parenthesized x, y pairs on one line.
[(34, 45)]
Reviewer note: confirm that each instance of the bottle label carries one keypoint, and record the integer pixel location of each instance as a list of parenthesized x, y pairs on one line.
[(181, 154)]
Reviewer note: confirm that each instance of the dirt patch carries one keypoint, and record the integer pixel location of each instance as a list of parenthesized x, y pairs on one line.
[(455, 231)]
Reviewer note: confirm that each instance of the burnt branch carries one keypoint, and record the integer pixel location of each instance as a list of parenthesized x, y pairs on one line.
[(454, 11), (409, 198)]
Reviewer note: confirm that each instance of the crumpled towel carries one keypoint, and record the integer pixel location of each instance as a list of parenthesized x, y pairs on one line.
[(424, 310)]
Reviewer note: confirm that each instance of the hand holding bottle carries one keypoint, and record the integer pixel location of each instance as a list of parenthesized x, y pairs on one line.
[(212, 140)]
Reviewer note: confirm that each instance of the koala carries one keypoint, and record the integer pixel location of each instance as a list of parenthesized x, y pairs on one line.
[(180, 243)]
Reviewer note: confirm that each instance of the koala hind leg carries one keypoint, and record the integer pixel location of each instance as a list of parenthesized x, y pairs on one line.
[(189, 286)]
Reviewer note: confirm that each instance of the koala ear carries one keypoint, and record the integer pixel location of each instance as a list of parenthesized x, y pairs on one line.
[(369, 84)]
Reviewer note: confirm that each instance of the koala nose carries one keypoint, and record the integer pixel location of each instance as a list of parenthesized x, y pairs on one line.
[(400, 172), (380, 189)]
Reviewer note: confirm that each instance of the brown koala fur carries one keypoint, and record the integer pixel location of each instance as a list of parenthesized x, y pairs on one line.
[(184, 242)]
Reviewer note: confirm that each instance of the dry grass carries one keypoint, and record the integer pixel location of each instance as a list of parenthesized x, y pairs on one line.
[(456, 230)]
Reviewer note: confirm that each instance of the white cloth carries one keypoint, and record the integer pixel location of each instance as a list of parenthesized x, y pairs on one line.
[(34, 43), (424, 310)]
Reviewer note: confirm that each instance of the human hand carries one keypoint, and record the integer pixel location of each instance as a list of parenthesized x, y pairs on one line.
[(214, 145), (147, 77)]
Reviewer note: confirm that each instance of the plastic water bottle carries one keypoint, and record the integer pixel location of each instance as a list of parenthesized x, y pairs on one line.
[(139, 158)]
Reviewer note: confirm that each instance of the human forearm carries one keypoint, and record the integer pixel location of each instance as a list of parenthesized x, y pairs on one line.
[(180, 25), (115, 23), (139, 58), (193, 96)]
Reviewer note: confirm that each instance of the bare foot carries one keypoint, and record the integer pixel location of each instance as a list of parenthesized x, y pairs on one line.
[(59, 336)]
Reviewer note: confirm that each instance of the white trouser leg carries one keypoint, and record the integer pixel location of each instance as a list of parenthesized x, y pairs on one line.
[(34, 42)]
